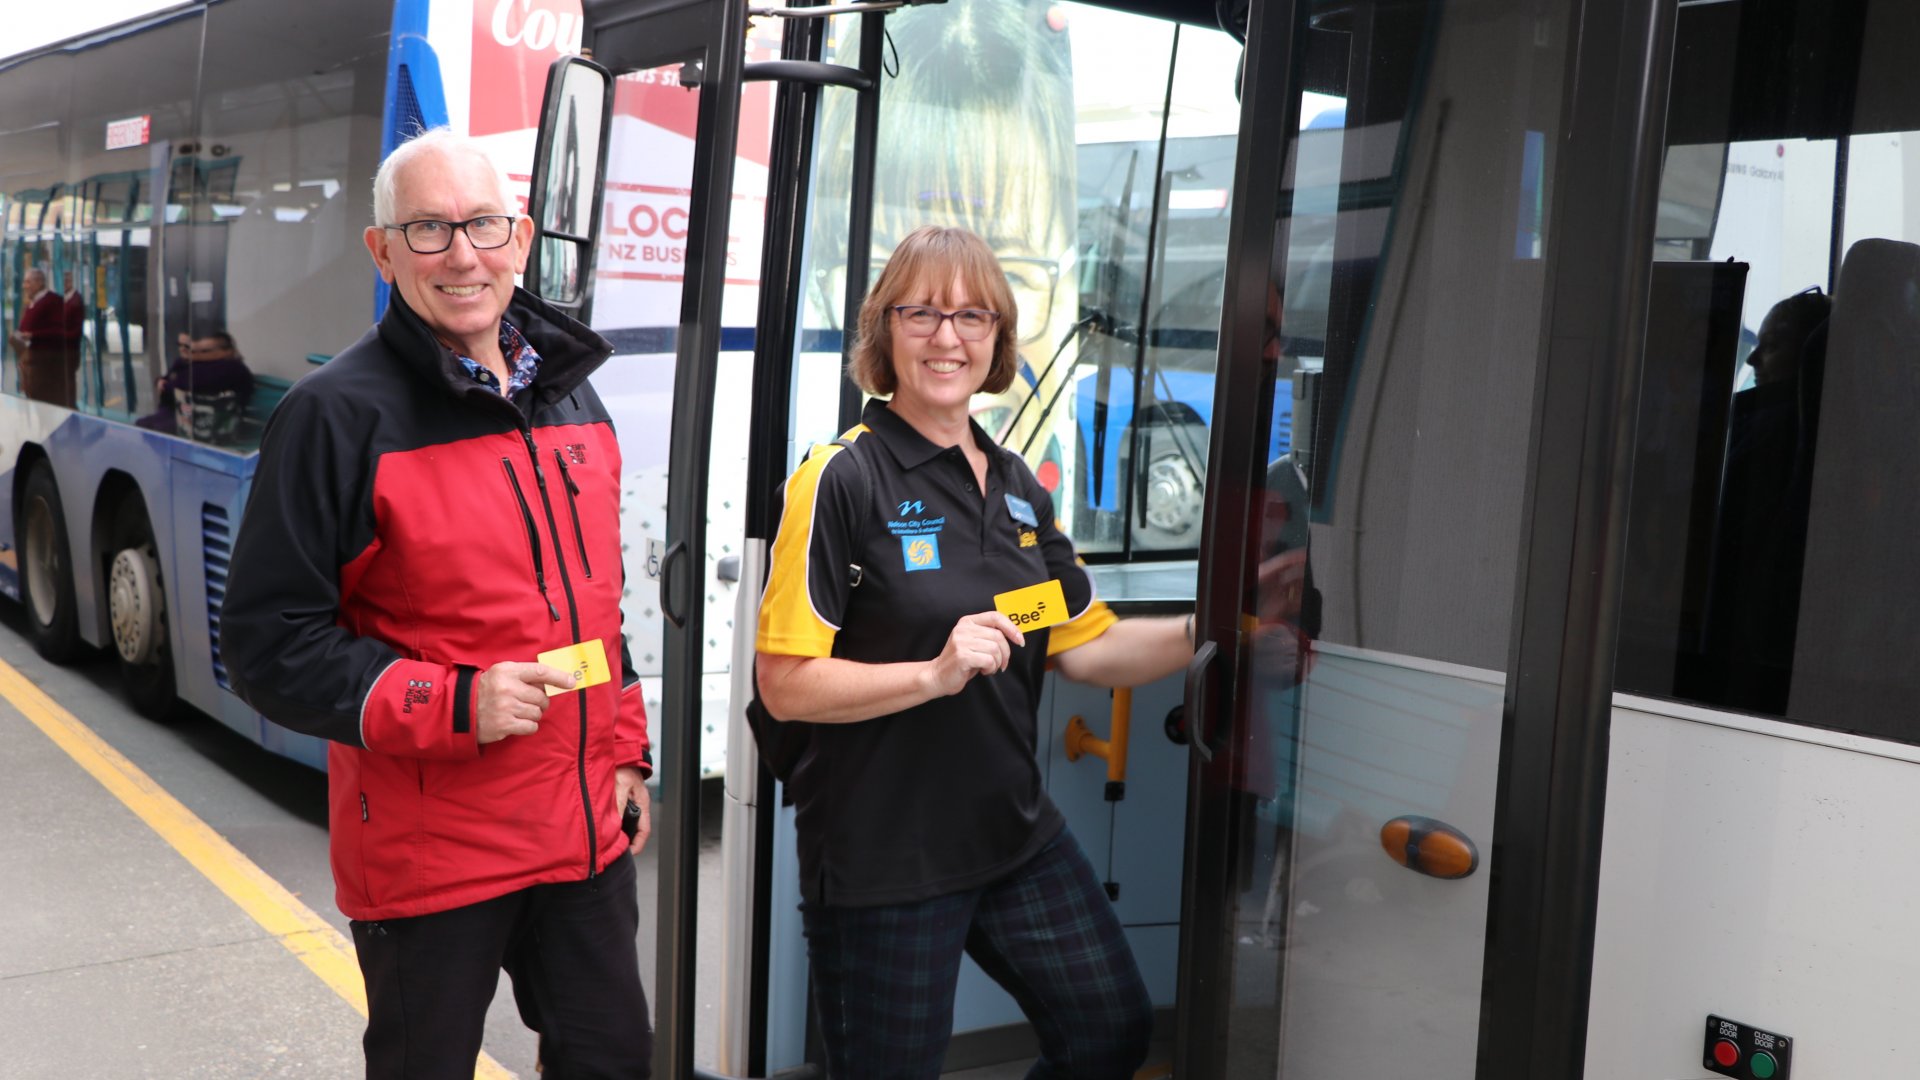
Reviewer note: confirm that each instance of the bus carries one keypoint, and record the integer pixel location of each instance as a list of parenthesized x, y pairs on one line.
[(1536, 372), (1548, 713), (168, 207), (193, 183)]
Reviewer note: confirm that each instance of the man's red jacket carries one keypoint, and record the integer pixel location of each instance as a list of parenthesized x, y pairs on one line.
[(408, 529)]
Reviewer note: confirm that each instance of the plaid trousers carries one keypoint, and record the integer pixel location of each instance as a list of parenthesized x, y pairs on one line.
[(884, 977)]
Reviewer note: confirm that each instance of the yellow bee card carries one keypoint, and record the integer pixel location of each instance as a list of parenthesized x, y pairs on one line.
[(1035, 606), (587, 661)]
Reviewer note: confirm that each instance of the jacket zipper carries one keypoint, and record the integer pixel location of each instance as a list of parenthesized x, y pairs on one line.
[(573, 613), (573, 508), (533, 534)]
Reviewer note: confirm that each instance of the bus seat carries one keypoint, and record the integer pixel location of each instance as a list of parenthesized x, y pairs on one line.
[(208, 417), (1855, 660), (267, 392)]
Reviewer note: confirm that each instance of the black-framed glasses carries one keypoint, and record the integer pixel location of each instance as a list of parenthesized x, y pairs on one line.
[(431, 237), (1032, 280), (969, 324)]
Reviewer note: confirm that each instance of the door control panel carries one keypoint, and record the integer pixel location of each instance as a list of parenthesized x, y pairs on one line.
[(1746, 1052)]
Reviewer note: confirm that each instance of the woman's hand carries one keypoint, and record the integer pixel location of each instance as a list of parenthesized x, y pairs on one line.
[(980, 644)]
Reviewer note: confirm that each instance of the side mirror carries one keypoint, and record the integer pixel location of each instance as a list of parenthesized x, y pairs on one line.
[(569, 173)]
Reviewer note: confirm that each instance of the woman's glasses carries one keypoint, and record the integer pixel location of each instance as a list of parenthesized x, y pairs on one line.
[(969, 324), (1033, 282)]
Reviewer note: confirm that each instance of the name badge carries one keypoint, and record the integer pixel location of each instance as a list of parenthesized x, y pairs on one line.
[(1022, 511), (1034, 607), (587, 661)]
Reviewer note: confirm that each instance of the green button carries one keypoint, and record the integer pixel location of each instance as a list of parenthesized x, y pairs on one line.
[(1762, 1065)]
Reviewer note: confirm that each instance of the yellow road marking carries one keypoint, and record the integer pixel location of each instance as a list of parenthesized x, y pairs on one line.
[(325, 951)]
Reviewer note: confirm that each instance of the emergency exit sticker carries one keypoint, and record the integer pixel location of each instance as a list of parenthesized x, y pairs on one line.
[(587, 661), (1035, 606)]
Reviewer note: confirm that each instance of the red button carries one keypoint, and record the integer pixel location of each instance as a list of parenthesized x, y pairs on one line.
[(1726, 1054)]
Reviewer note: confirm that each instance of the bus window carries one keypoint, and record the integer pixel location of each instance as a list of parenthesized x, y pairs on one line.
[(125, 162), (1767, 517), (1151, 258), (1111, 229), (274, 183)]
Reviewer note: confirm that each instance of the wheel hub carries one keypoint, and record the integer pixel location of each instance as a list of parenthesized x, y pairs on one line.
[(43, 569), (1173, 496), (134, 602)]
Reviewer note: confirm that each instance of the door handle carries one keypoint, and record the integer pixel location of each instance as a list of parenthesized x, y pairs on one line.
[(670, 604), (1199, 685)]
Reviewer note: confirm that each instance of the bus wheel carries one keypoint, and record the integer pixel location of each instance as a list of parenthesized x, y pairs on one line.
[(46, 568), (1176, 497), (137, 609)]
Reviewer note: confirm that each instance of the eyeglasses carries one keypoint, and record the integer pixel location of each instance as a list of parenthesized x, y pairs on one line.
[(1033, 282), (430, 237), (970, 324)]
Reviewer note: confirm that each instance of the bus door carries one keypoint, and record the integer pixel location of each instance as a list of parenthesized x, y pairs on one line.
[(584, 207), (611, 230), (1399, 701)]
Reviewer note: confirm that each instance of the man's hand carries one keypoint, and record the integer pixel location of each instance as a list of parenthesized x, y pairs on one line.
[(508, 699), (629, 786), (981, 643)]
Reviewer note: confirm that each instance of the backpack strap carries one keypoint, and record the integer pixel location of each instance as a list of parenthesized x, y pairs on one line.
[(856, 572)]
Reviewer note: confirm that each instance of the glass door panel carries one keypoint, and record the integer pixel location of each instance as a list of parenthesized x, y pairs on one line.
[(1346, 799)]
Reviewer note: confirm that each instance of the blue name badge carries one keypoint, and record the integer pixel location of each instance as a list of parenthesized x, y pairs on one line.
[(920, 552), (1022, 511)]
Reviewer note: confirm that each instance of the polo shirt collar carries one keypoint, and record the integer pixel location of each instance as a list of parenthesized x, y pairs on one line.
[(908, 447)]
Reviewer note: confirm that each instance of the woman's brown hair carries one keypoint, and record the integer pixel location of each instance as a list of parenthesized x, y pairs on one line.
[(934, 256)]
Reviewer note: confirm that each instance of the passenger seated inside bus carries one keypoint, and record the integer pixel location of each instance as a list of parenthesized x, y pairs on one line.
[(205, 391), (1753, 608)]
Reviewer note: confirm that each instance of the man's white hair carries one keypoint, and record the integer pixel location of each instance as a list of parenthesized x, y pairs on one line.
[(443, 140)]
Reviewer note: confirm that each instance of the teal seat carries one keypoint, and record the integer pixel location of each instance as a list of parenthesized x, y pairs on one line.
[(267, 392)]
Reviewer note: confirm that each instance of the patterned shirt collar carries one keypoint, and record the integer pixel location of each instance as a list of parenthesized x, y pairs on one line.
[(522, 362)]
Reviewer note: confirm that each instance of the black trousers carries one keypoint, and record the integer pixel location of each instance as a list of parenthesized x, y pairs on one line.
[(569, 949)]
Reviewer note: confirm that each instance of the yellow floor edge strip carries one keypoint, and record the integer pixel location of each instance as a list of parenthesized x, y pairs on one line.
[(325, 951)]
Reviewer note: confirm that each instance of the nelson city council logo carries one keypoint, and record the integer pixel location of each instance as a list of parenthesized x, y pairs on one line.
[(922, 552)]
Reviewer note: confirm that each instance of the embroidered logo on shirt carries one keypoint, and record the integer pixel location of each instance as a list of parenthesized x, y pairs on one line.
[(921, 552), (912, 506), (1029, 538), (419, 692), (577, 453)]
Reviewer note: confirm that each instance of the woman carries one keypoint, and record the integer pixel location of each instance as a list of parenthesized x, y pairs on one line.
[(924, 828)]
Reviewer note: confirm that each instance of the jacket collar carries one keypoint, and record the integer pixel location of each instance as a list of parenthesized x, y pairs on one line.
[(569, 351), (910, 448)]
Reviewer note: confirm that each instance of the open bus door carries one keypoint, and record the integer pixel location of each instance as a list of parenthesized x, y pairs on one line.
[(697, 49), (1394, 832)]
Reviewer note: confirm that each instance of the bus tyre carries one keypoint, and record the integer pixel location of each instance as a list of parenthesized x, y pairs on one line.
[(46, 568), (137, 614)]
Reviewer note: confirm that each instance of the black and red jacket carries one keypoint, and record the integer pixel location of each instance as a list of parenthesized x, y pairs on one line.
[(409, 528)]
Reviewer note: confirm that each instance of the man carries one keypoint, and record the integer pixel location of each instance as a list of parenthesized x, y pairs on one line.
[(40, 343), (435, 510)]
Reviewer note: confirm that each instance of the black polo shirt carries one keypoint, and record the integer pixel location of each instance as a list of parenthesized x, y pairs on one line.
[(877, 565)]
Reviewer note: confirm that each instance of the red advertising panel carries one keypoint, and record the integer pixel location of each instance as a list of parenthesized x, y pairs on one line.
[(513, 43)]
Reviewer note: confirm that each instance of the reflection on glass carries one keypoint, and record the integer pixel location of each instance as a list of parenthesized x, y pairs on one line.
[(1111, 227), (999, 71), (1393, 387), (571, 170), (559, 269)]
